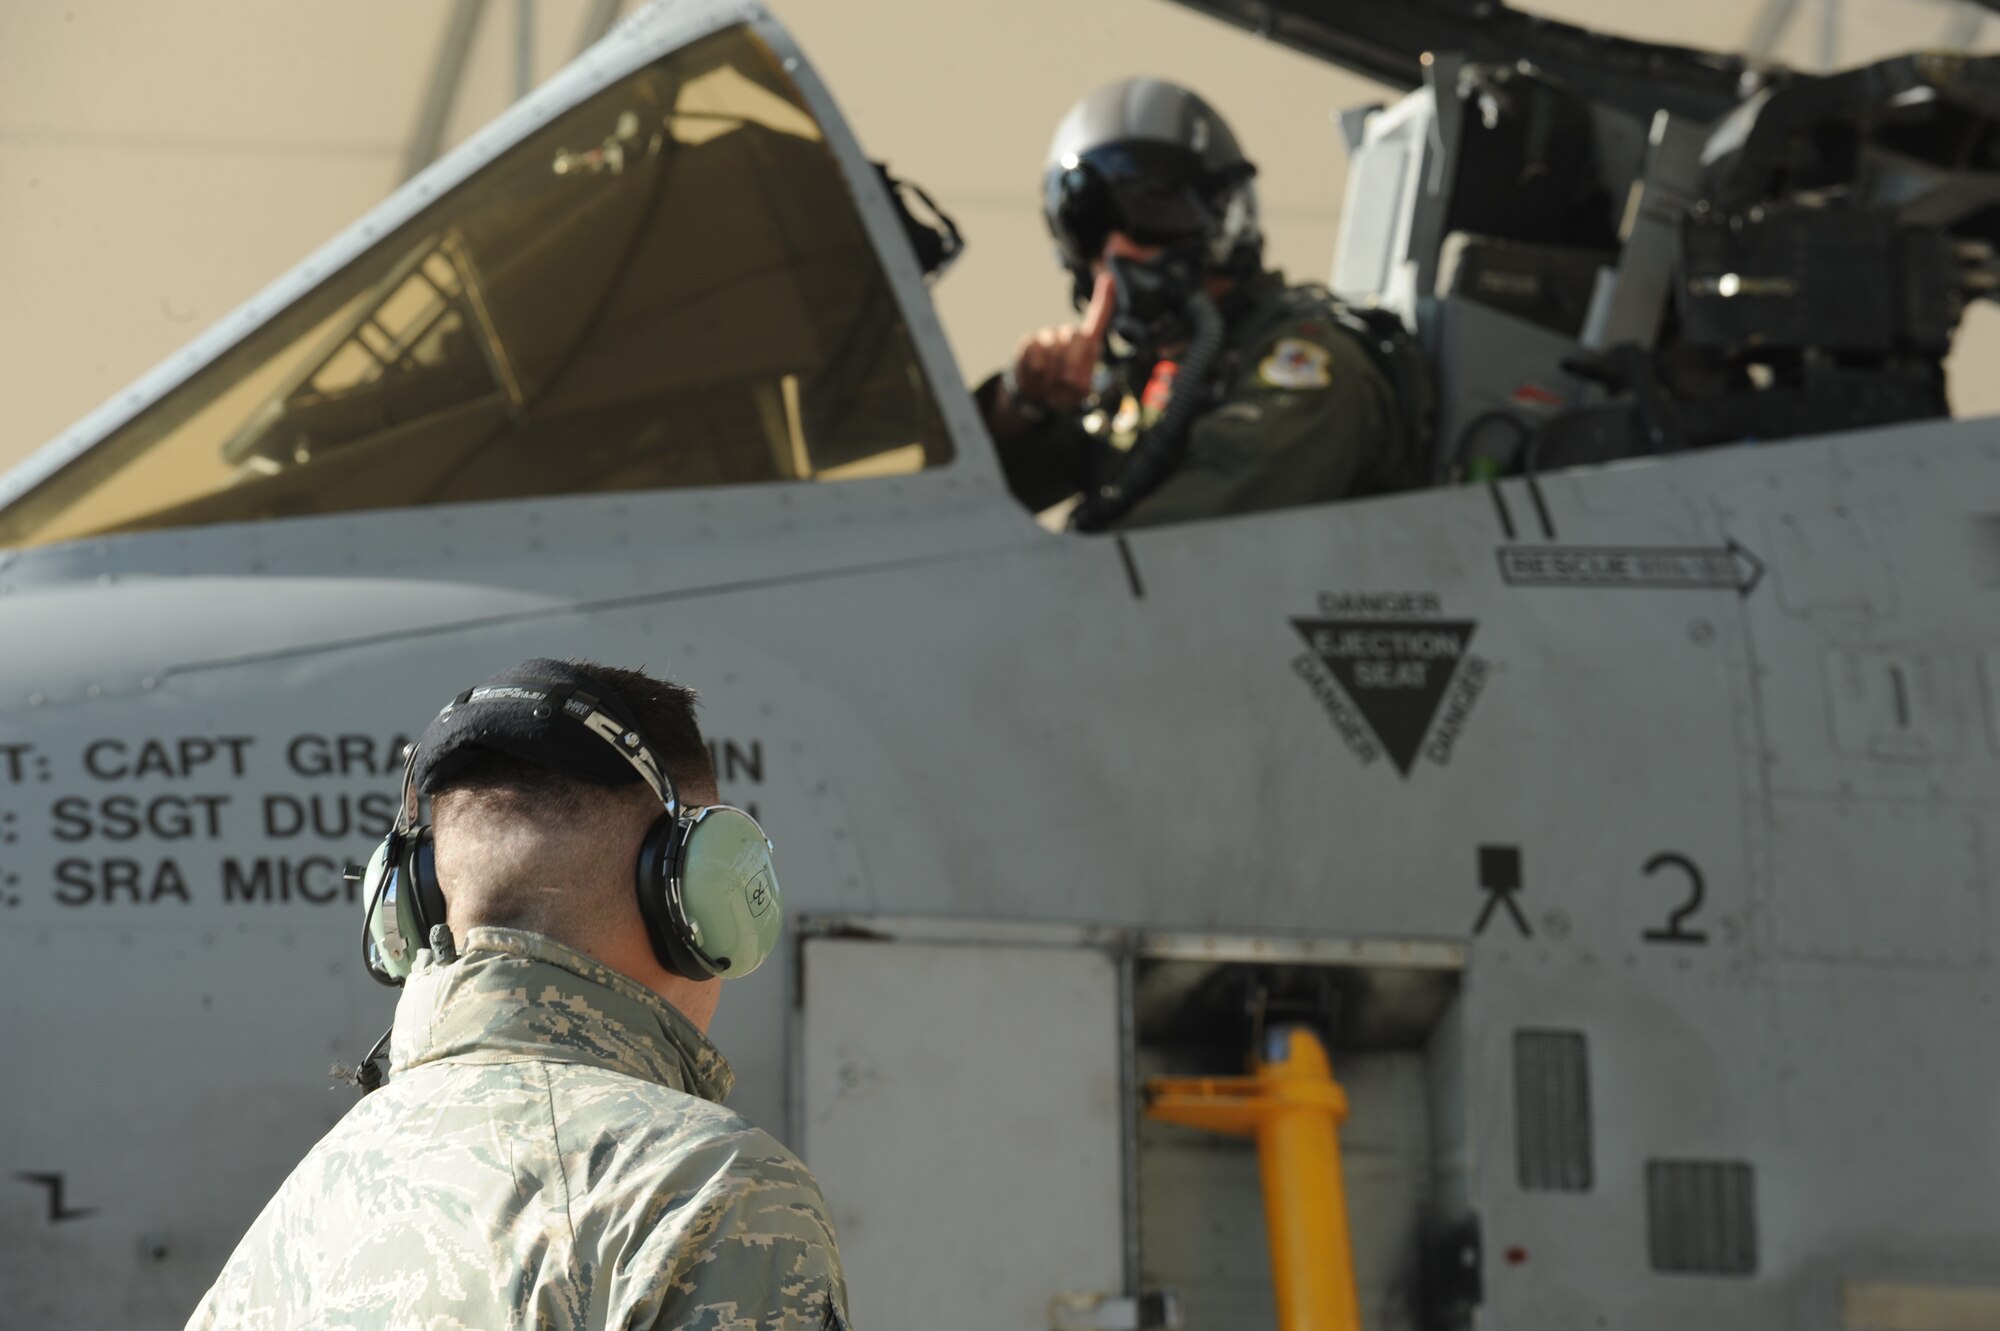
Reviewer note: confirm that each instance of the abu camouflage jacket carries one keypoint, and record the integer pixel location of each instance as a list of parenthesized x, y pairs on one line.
[(545, 1154)]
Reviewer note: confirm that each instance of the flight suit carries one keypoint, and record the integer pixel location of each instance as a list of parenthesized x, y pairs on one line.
[(546, 1154), (1300, 411)]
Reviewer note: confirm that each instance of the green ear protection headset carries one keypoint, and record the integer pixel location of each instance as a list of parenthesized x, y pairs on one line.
[(708, 891)]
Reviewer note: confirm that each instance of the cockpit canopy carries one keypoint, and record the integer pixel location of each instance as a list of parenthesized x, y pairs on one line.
[(667, 285)]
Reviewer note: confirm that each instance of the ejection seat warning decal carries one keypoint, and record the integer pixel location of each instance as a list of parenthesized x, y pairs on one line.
[(1393, 674)]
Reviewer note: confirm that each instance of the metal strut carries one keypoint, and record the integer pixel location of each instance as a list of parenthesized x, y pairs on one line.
[(1292, 1105)]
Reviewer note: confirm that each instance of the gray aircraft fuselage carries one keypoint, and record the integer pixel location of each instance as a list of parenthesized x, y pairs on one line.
[(1690, 766)]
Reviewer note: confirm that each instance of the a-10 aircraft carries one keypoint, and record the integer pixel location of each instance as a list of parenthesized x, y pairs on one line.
[(1627, 813)]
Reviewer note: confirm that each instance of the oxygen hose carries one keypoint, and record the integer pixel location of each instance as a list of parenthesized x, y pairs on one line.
[(1160, 448)]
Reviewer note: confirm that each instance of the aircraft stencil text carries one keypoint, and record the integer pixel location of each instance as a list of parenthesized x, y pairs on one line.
[(19, 762), (1345, 720), (1406, 644), (294, 809), (273, 880), (176, 759), (126, 817), (1465, 691), (108, 882), (345, 755), (331, 817)]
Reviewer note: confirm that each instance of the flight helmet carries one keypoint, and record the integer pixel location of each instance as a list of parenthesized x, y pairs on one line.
[(1155, 161)]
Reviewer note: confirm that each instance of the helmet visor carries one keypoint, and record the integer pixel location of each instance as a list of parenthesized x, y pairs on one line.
[(1156, 193)]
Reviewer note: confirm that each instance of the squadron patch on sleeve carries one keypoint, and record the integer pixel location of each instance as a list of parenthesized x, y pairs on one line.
[(1296, 364)]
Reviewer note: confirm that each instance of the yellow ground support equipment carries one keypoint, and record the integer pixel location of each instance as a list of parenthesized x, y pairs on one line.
[(1292, 1105)]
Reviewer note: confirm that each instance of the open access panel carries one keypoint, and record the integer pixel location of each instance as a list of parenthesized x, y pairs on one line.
[(970, 1095)]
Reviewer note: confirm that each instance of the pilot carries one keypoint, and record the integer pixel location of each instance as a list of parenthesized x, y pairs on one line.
[(550, 1149), (1198, 382)]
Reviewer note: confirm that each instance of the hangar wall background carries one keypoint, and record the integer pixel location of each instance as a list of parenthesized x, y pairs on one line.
[(161, 162)]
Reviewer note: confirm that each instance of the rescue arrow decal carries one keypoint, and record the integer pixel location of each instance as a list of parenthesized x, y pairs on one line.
[(57, 1211), (1657, 567)]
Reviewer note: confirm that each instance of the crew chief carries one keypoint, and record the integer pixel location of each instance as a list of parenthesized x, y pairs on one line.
[(550, 1149)]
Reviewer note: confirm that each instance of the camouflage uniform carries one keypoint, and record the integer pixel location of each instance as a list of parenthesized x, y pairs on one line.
[(545, 1154), (1303, 413)]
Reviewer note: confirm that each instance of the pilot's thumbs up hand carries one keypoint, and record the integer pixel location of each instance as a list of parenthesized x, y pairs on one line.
[(1045, 376), (1053, 366)]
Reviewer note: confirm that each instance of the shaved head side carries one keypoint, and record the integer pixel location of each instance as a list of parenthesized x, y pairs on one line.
[(522, 846), (525, 848)]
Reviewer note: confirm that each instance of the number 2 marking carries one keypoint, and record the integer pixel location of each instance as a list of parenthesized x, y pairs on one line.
[(1676, 930)]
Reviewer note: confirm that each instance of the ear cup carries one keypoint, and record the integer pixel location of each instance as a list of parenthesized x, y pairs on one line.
[(401, 902), (659, 901), (729, 889), (386, 944), (709, 893), (420, 870)]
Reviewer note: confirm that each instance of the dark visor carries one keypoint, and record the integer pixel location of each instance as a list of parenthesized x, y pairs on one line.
[(1157, 193)]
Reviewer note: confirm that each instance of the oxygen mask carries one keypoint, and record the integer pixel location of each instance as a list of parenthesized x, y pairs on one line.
[(1153, 296)]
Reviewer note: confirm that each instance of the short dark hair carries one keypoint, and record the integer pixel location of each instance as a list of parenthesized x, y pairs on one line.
[(664, 714)]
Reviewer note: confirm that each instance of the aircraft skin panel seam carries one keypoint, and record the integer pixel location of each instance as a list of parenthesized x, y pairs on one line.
[(1746, 694), (607, 605)]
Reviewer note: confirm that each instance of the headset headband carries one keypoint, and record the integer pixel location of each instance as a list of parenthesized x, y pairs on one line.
[(406, 811), (586, 710)]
